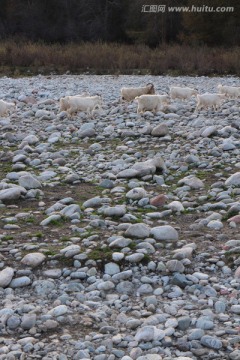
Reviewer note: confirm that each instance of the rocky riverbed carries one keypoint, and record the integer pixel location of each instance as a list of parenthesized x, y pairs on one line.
[(119, 234)]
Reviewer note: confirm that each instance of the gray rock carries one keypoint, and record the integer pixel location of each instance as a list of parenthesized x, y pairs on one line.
[(106, 285), (235, 355), (160, 130), (220, 307), (204, 323), (120, 242), (70, 251), (28, 321), (29, 182), (128, 173), (192, 181), (180, 280), (69, 210), (149, 333), (233, 180), (6, 276), (195, 334), (117, 211), (31, 139), (175, 266), (43, 287), (13, 193), (135, 258), (125, 287), (93, 202), (50, 219), (33, 259), (13, 322), (235, 309), (164, 233), (184, 322), (140, 231), (58, 310), (211, 342), (111, 268), (20, 282), (136, 193)]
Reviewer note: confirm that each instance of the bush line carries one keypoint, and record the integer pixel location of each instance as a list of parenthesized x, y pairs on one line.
[(22, 58)]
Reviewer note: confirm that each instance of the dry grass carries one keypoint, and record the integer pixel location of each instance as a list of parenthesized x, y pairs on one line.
[(105, 58)]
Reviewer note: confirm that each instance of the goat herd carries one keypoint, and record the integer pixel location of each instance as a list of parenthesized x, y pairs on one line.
[(145, 96), (148, 100)]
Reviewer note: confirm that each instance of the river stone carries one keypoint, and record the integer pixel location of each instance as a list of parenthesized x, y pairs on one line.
[(135, 258), (164, 233), (20, 282), (136, 194), (204, 323), (128, 173), (70, 251), (235, 309), (111, 268), (13, 322), (233, 180), (140, 231), (51, 218), (149, 333), (28, 321), (31, 139), (211, 342), (125, 287), (6, 276), (184, 322), (43, 287), (13, 193), (160, 130), (120, 242), (117, 211), (33, 259), (235, 355), (58, 310), (29, 182), (192, 181), (176, 206), (175, 266), (93, 202)]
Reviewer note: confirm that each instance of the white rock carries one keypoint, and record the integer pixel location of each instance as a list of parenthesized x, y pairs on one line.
[(176, 206), (6, 276), (233, 180), (29, 182), (58, 311), (136, 193), (33, 259), (164, 233), (139, 230)]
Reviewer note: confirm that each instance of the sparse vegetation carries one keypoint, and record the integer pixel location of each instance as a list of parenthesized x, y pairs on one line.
[(7, 237), (27, 58)]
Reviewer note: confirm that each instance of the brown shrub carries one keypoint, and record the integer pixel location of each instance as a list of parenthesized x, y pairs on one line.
[(115, 58)]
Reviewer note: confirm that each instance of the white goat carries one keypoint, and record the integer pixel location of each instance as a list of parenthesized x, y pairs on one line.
[(64, 103), (209, 100), (73, 104), (231, 91), (151, 102), (182, 93), (6, 107), (130, 94)]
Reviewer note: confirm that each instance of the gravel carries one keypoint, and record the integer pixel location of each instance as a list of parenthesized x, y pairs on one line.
[(120, 232)]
